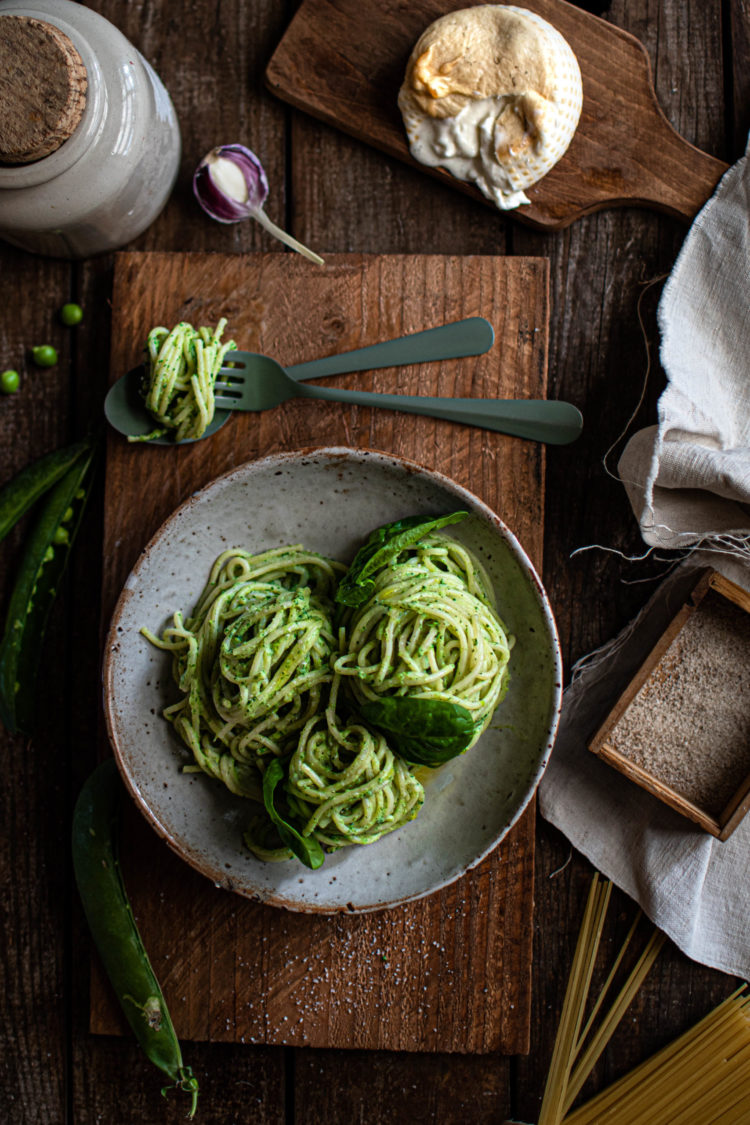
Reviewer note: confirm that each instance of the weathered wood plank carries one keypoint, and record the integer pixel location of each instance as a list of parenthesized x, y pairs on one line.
[(393, 1088), (422, 960), (357, 200), (736, 41), (211, 58), (33, 803), (598, 271), (343, 196)]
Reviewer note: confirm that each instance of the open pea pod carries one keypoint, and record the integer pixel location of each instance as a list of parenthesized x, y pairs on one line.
[(41, 568), (24, 489)]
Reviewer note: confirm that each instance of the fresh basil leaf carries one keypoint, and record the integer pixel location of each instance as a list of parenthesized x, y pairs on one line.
[(383, 544), (306, 848), (427, 732)]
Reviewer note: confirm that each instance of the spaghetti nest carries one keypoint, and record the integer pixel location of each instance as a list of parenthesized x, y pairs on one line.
[(252, 661), (347, 785), (179, 385), (428, 631)]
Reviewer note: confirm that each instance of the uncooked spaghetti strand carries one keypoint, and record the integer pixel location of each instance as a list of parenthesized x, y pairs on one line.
[(606, 986), (605, 1031), (688, 1095), (575, 999), (610, 1098), (688, 1089), (713, 1084), (637, 1093)]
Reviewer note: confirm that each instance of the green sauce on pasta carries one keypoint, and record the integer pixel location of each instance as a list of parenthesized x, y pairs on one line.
[(428, 630), (252, 660), (182, 366), (264, 675)]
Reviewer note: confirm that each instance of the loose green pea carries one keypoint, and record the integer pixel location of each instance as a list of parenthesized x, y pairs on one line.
[(44, 355), (71, 315), (10, 381)]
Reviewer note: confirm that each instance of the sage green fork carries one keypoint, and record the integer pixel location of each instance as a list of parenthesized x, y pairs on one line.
[(266, 384), (126, 411)]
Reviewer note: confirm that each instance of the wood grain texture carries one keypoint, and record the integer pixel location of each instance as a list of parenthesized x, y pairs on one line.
[(600, 269), (33, 867), (450, 972), (737, 43), (395, 1088), (343, 61), (211, 59)]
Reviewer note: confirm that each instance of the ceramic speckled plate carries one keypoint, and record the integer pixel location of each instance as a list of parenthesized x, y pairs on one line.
[(329, 500)]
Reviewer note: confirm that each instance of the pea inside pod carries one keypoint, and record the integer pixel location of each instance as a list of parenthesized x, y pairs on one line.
[(45, 556), (25, 488)]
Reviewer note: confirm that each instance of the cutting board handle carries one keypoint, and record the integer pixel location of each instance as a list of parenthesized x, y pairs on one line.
[(625, 152), (676, 177)]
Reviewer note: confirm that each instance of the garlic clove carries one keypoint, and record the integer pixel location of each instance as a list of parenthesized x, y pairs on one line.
[(231, 185)]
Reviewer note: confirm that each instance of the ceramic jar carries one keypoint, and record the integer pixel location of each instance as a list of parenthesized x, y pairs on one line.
[(105, 183)]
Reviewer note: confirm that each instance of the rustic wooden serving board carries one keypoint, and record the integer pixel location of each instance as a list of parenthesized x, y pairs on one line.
[(343, 61), (448, 973)]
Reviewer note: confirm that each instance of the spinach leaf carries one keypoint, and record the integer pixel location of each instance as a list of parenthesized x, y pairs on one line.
[(383, 544), (427, 732), (306, 848)]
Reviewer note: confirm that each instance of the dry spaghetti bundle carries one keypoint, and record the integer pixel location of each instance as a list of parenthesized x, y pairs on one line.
[(703, 1078)]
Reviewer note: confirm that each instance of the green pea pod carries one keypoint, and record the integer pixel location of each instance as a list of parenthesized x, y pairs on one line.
[(42, 565), (25, 488), (306, 848), (113, 927)]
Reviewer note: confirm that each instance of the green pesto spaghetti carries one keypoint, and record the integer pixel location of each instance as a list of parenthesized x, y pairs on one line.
[(322, 713), (428, 631), (182, 366), (344, 785), (252, 660), (347, 785)]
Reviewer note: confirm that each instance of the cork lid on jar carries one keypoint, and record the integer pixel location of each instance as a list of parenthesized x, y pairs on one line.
[(42, 89)]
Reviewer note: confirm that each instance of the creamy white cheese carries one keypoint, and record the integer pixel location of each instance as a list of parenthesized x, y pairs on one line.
[(466, 145), (493, 95)]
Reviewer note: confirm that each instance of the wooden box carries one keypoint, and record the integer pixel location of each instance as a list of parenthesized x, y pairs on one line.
[(681, 728)]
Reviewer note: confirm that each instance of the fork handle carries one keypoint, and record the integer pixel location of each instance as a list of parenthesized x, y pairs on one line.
[(537, 419), (472, 336)]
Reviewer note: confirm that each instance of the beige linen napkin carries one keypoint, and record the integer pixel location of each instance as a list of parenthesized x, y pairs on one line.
[(688, 480)]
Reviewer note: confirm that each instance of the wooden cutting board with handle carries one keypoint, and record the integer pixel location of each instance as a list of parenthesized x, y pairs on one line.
[(343, 61), (450, 972)]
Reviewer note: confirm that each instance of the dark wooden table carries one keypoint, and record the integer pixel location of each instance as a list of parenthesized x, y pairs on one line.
[(337, 195)]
